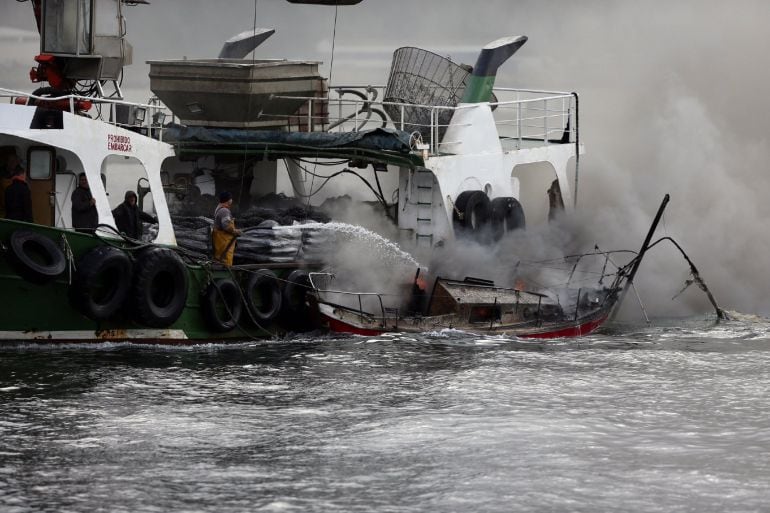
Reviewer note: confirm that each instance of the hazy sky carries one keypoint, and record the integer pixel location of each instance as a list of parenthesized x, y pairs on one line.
[(672, 99)]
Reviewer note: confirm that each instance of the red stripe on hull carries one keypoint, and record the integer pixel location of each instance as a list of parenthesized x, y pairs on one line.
[(572, 331), (338, 326)]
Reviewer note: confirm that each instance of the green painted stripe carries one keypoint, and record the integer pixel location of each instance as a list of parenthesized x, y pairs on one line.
[(479, 89)]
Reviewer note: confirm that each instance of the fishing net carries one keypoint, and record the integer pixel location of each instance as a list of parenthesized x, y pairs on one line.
[(420, 80)]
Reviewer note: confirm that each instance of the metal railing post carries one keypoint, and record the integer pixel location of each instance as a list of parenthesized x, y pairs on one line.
[(433, 130), (339, 111), (577, 146), (539, 316), (577, 305), (382, 309), (563, 113), (545, 121)]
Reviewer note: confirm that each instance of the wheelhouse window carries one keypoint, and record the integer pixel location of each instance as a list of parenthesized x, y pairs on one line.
[(67, 26), (41, 161)]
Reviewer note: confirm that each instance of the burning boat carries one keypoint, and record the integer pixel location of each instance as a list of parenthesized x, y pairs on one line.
[(479, 306), (232, 124)]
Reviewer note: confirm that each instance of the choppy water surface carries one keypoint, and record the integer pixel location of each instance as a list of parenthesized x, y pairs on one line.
[(665, 418)]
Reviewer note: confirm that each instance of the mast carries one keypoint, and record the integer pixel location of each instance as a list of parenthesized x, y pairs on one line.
[(642, 251)]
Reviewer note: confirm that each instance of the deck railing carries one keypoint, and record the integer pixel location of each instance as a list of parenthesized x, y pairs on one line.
[(319, 283), (523, 117), (148, 118)]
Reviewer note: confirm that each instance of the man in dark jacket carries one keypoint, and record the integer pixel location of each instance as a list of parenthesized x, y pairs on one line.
[(10, 164), (128, 217), (18, 199), (84, 215)]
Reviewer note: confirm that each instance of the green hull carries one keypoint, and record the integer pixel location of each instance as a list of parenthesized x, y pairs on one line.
[(46, 312)]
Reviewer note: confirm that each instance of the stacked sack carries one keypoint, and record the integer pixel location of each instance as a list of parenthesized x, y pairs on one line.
[(266, 236)]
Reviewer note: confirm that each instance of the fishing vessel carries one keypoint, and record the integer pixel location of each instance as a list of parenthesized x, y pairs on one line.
[(452, 137), (480, 306), (473, 305)]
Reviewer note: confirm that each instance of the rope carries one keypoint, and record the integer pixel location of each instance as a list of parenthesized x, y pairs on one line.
[(248, 112), (212, 281), (333, 175), (70, 256), (334, 39)]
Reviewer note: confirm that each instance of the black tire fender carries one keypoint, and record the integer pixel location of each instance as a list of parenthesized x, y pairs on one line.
[(222, 305), (295, 295), (102, 282), (35, 257), (471, 212), (159, 290), (263, 296), (507, 215)]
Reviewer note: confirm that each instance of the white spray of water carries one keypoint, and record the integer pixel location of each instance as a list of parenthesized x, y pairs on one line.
[(363, 260), (384, 248)]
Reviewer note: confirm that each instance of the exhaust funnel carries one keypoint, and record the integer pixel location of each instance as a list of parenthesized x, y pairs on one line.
[(492, 56)]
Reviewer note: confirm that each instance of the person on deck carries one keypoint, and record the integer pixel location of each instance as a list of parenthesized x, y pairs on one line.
[(18, 199), (555, 201), (129, 217), (10, 166), (84, 215), (224, 232)]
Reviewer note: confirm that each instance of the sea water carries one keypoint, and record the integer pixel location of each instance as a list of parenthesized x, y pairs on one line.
[(670, 417)]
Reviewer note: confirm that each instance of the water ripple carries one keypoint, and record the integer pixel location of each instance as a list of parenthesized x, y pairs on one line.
[(660, 418)]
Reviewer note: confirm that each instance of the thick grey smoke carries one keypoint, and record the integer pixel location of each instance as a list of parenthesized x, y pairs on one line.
[(672, 101)]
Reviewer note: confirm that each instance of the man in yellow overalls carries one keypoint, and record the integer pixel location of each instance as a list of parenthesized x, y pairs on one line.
[(224, 232)]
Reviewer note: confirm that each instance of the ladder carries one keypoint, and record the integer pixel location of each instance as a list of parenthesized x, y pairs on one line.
[(424, 181)]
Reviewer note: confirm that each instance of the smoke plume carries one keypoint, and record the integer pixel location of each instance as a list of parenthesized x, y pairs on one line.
[(672, 101)]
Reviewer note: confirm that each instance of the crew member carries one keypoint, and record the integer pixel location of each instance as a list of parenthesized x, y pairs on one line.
[(129, 217), (84, 215), (18, 199), (10, 166), (224, 233), (555, 201)]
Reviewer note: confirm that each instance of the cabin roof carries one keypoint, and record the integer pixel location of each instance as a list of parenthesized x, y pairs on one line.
[(467, 293)]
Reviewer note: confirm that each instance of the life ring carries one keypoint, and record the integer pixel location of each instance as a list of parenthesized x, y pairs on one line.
[(35, 257), (507, 215), (159, 289), (471, 212), (102, 282), (263, 296), (222, 305)]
